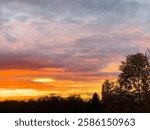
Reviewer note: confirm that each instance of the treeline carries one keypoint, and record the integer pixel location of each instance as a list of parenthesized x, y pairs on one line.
[(129, 93), (53, 104)]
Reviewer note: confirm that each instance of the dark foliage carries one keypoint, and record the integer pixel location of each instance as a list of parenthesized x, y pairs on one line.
[(53, 104), (131, 92)]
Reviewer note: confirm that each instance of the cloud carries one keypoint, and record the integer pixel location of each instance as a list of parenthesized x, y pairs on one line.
[(80, 36), (70, 10)]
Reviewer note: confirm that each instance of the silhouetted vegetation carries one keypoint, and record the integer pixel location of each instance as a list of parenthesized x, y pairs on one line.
[(55, 104), (129, 93)]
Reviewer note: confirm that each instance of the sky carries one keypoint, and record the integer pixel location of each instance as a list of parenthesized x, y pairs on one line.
[(67, 46)]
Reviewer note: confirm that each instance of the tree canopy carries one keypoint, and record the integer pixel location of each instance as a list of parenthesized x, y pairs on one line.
[(132, 85)]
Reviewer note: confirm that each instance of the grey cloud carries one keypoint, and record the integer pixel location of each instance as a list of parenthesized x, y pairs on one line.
[(95, 52), (10, 38), (108, 45), (71, 11), (84, 53)]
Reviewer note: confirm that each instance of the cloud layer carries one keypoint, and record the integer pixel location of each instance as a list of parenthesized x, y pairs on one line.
[(80, 36)]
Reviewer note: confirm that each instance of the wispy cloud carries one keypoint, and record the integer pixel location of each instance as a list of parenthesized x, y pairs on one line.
[(80, 36)]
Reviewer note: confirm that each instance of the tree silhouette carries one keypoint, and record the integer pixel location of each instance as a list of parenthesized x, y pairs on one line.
[(135, 75), (95, 103), (106, 93), (131, 91)]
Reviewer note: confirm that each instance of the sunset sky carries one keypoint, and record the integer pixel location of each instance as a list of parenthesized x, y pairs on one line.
[(67, 46)]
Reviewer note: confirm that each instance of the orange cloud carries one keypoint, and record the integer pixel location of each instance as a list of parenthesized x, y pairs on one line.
[(112, 67), (25, 84)]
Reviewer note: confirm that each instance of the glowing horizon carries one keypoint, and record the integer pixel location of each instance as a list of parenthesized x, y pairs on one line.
[(25, 84), (66, 46)]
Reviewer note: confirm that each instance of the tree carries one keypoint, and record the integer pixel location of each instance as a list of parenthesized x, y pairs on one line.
[(135, 74), (95, 103), (106, 92), (131, 91), (95, 99)]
